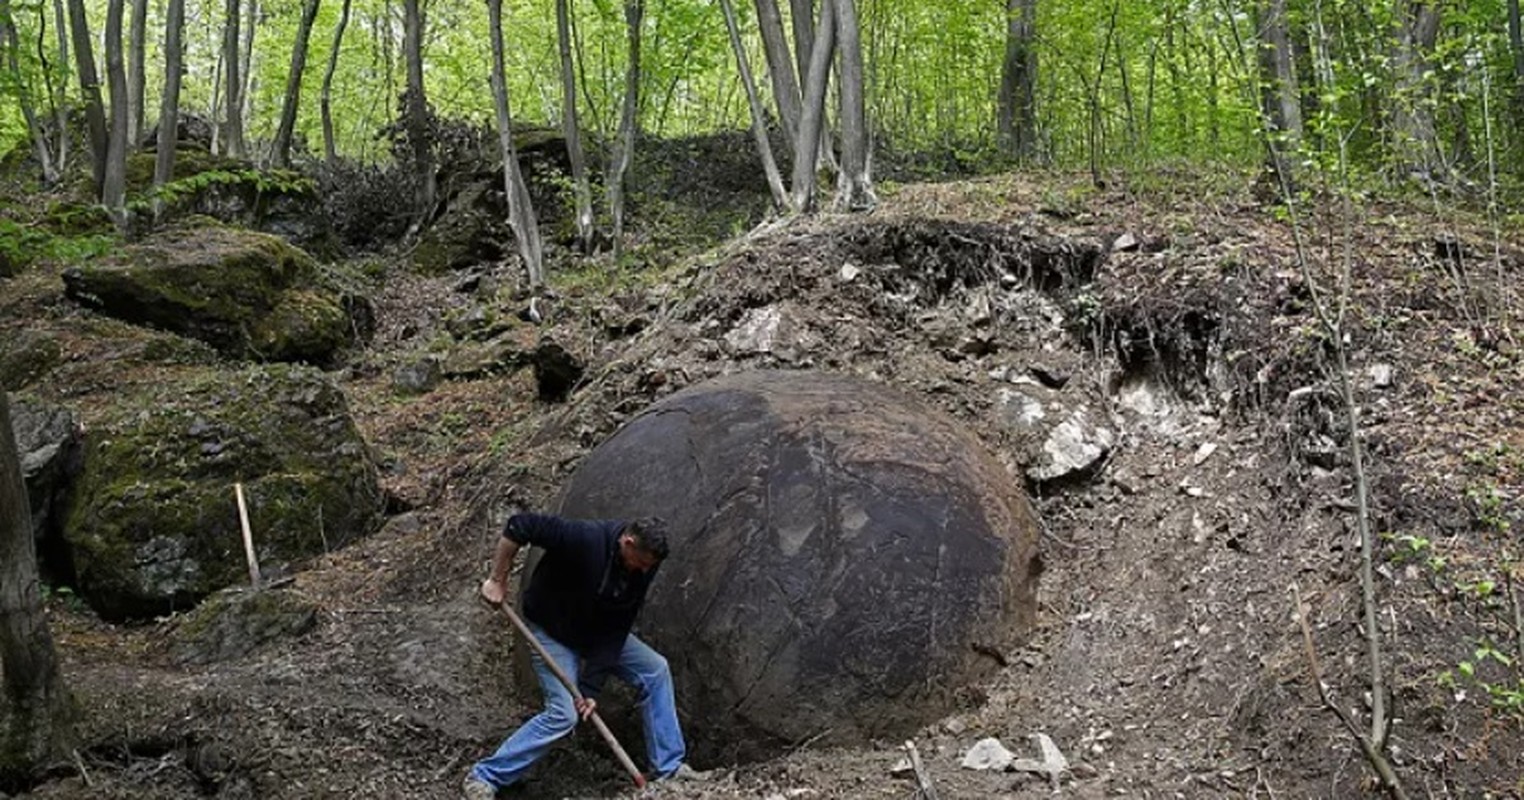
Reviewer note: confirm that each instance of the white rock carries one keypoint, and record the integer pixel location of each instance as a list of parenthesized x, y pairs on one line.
[(849, 272), (1203, 453), (986, 755)]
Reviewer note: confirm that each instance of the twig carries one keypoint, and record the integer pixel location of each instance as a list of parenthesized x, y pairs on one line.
[(922, 780), (1372, 753), (1518, 615), (248, 536), (79, 764)]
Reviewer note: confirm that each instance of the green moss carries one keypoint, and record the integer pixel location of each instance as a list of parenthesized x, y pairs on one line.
[(25, 357)]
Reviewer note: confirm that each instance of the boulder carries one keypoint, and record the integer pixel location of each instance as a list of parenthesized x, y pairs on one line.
[(48, 442), (469, 232), (235, 622), (152, 522), (26, 356), (250, 295), (838, 552)]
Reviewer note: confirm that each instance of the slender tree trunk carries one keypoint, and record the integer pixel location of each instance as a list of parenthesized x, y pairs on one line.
[(520, 209), (232, 90), (419, 132), (1417, 140), (1018, 79), (624, 151), (812, 123), (281, 155), (1516, 42), (758, 114), (114, 187), (37, 715), (1280, 100), (780, 65), (169, 103), (802, 14), (330, 155), (246, 69), (90, 90), (135, 80), (12, 46), (571, 128), (213, 112), (854, 191), (60, 90)]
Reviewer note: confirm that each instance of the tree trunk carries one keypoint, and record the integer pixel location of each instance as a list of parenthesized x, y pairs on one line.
[(114, 187), (419, 132), (169, 103), (232, 90), (571, 128), (36, 719), (135, 79), (246, 69), (758, 115), (281, 155), (520, 209), (61, 89), (1280, 101), (12, 46), (780, 65), (808, 145), (1516, 42), (1018, 81), (90, 91), (802, 13), (1416, 138), (330, 154), (624, 150), (854, 190)]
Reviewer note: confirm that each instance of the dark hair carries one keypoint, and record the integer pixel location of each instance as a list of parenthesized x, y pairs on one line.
[(650, 534)]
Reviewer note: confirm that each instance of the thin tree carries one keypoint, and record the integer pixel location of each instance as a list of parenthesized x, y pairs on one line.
[(251, 17), (1516, 43), (232, 91), (780, 66), (1417, 139), (281, 148), (58, 91), (136, 35), (758, 115), (802, 15), (419, 133), (571, 128), (36, 720), (169, 102), (520, 208), (114, 186), (90, 90), (808, 145), (12, 45), (854, 190), (624, 147), (1017, 122), (325, 102), (1280, 99)]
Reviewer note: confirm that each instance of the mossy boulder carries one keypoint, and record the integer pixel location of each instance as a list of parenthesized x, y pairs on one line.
[(250, 295), (153, 523), (26, 356), (472, 230), (235, 622)]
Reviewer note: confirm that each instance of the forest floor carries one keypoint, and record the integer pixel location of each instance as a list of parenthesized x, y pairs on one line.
[(1167, 661)]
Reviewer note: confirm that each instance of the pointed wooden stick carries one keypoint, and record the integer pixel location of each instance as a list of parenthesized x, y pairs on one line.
[(248, 536)]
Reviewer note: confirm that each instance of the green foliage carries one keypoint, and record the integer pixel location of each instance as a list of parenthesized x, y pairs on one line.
[(260, 181)]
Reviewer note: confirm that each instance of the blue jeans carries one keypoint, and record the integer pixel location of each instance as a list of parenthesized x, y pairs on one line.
[(638, 665)]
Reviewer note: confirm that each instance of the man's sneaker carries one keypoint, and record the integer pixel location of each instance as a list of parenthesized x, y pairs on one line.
[(473, 789), (686, 774)]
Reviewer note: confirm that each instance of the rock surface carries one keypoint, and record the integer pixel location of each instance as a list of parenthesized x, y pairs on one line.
[(153, 523), (250, 295), (236, 622), (838, 549)]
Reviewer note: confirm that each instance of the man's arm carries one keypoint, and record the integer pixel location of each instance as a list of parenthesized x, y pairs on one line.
[(495, 587)]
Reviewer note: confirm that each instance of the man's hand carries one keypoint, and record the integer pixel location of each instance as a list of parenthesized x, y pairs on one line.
[(585, 708), (493, 591)]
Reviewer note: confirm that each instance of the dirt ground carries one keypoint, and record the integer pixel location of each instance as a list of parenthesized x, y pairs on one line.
[(1167, 662)]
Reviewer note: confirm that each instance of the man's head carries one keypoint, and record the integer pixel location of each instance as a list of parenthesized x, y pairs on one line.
[(643, 544)]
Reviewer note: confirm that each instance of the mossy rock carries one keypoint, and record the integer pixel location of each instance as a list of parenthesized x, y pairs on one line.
[(250, 295), (153, 523), (70, 218), (235, 622), (471, 231), (26, 356)]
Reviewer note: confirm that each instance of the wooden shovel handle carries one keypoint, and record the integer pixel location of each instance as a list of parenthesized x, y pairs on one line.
[(571, 686)]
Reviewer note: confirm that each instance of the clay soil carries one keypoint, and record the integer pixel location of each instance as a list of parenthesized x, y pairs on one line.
[(1167, 661)]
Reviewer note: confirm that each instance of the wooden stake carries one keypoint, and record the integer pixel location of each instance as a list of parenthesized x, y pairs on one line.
[(923, 781), (248, 536)]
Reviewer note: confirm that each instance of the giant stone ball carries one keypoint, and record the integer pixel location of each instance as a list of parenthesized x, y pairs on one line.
[(844, 559)]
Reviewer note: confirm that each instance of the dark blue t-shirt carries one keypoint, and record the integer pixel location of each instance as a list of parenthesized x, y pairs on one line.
[(581, 593)]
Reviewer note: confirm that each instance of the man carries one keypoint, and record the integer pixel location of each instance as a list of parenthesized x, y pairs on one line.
[(581, 602)]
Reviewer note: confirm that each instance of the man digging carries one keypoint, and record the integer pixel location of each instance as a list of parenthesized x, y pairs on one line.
[(580, 605)]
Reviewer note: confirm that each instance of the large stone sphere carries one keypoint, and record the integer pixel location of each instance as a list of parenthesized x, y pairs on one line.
[(844, 559)]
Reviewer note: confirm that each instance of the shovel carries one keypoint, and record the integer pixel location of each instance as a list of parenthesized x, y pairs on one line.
[(571, 686)]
